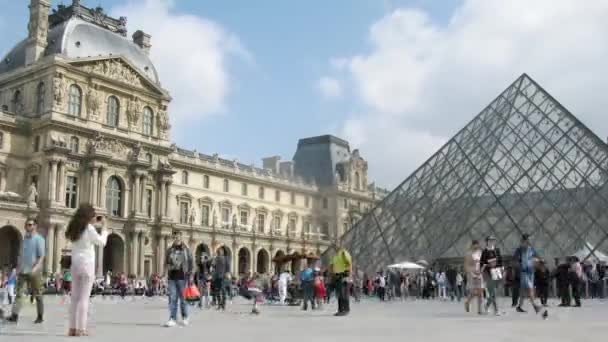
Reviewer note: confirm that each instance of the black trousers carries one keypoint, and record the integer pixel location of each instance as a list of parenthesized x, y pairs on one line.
[(576, 291), (543, 293), (564, 294), (342, 292), (515, 294), (219, 292)]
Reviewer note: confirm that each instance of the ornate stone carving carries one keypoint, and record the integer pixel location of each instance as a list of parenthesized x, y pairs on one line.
[(162, 123), (134, 108), (136, 152), (192, 217), (93, 101), (115, 69), (58, 140), (59, 90), (105, 145), (38, 25)]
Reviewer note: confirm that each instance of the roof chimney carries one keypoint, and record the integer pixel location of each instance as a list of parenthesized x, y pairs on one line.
[(38, 28), (142, 40)]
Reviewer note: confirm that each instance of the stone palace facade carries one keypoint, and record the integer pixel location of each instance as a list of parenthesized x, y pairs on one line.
[(83, 118)]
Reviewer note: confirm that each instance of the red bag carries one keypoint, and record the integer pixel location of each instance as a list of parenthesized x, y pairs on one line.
[(192, 293)]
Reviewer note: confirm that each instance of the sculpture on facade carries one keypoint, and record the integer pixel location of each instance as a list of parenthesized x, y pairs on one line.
[(133, 111), (93, 101), (234, 221), (136, 152), (162, 123), (214, 219), (58, 90), (192, 217), (58, 140), (32, 195)]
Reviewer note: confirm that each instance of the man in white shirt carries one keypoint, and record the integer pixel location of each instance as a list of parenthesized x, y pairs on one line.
[(284, 280)]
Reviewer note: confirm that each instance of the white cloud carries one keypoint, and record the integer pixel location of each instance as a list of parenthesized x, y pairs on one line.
[(190, 54), (330, 87), (422, 80)]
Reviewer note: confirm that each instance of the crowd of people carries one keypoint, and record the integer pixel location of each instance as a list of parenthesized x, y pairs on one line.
[(208, 282)]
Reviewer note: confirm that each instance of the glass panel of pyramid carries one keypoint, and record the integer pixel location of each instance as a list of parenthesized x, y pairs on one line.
[(523, 165)]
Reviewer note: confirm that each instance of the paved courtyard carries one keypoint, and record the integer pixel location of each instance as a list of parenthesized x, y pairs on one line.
[(115, 320)]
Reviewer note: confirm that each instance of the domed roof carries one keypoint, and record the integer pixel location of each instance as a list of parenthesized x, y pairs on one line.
[(77, 38)]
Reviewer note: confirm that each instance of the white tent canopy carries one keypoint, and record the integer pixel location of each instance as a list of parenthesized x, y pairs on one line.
[(406, 265), (585, 251)]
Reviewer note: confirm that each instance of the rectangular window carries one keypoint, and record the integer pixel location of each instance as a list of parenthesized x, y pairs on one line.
[(325, 229), (277, 223), (292, 224), (345, 227), (71, 192), (206, 182), (293, 198), (261, 192), (226, 215), (149, 203), (244, 217), (345, 203), (226, 185), (325, 203), (183, 212), (1, 140), (37, 143), (244, 189), (307, 201), (205, 215), (261, 222), (277, 195)]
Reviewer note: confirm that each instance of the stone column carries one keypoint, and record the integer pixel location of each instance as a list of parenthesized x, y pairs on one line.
[(126, 208), (142, 193), (254, 259), (167, 185), (101, 189), (161, 199), (61, 182), (142, 255), (50, 251), (133, 266), (235, 259), (160, 255), (3, 181), (53, 181), (94, 186), (59, 245), (135, 186), (99, 272)]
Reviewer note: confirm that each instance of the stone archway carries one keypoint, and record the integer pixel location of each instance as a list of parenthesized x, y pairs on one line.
[(227, 255), (114, 255), (262, 261), (10, 244), (278, 266), (244, 261), (201, 249)]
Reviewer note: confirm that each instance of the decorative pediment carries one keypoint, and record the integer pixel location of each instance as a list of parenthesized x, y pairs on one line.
[(292, 214), (244, 206), (226, 204), (261, 210), (205, 200), (278, 212), (118, 69), (184, 196)]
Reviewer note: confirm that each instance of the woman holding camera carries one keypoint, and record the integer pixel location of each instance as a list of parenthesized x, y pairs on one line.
[(82, 233)]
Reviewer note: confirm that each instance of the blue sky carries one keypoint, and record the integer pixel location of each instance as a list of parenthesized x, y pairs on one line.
[(400, 69)]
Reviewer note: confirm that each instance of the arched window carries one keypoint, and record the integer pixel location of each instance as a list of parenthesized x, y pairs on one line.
[(17, 103), (74, 100), (74, 145), (40, 97), (113, 110), (114, 196), (147, 121), (184, 177), (357, 181)]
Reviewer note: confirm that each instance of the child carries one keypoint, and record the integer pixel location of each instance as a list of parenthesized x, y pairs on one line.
[(319, 287), (254, 287)]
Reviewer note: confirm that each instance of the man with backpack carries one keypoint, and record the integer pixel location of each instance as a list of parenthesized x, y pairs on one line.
[(179, 268)]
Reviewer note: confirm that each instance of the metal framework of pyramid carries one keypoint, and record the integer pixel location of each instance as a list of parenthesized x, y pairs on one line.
[(523, 165)]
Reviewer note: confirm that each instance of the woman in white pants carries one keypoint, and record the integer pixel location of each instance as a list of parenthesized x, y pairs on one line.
[(84, 238)]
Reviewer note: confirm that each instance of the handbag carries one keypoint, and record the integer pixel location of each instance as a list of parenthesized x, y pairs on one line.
[(496, 273), (192, 293)]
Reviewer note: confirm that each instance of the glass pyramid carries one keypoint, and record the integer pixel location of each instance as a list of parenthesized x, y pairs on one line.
[(523, 165)]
